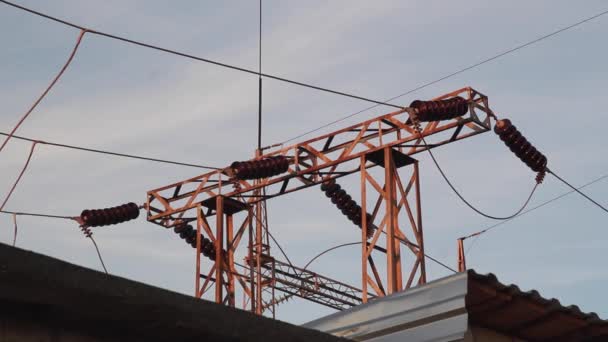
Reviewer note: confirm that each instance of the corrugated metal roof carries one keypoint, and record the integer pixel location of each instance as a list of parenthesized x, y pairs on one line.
[(444, 309), (433, 312), (528, 315)]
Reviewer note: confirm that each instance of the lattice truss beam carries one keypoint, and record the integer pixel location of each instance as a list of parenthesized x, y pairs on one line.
[(227, 209)]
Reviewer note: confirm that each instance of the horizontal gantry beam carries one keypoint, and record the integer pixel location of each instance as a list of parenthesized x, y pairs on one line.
[(316, 160)]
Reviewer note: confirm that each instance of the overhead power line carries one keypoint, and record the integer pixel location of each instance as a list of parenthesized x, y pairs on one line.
[(457, 72), (23, 213), (577, 190), (359, 242), (200, 59), (98, 254), (80, 148), (14, 230), (46, 91), (16, 213), (447, 180), (483, 231), (27, 162)]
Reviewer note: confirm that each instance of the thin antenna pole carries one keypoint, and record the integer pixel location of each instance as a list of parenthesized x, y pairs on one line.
[(260, 82)]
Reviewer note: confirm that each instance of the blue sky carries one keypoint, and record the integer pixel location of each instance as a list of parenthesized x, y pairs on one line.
[(125, 98)]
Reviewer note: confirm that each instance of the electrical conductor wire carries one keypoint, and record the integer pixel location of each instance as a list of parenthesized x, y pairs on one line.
[(117, 154), (200, 59), (15, 230), (47, 90), (14, 186), (483, 231), (259, 219), (98, 254), (460, 71), (359, 242), (577, 190), (21, 213), (428, 149)]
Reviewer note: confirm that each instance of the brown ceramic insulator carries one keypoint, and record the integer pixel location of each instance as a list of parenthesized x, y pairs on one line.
[(516, 142), (109, 216), (180, 228), (440, 109), (264, 168), (346, 205), (188, 233)]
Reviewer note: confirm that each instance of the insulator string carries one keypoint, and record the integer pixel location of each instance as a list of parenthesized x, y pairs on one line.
[(109, 216), (347, 205), (426, 111), (521, 147), (257, 169)]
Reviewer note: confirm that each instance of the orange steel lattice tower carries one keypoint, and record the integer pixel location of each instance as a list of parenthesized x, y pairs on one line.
[(226, 209)]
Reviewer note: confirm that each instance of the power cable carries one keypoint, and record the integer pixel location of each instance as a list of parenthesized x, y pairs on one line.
[(200, 59), (281, 249), (478, 233), (359, 242), (329, 250), (460, 71), (16, 213), (46, 91), (99, 254), (440, 263), (27, 162), (577, 190), (80, 148), (259, 219), (21, 213), (15, 230), (467, 202)]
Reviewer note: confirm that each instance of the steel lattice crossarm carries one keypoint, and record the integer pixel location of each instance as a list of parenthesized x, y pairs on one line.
[(320, 159), (299, 282)]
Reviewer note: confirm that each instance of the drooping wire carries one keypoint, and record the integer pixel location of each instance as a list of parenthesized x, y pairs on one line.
[(98, 254), (47, 90), (200, 59), (477, 234), (27, 162), (15, 230), (467, 202), (457, 72), (85, 149), (577, 190), (359, 242), (329, 250), (86, 231)]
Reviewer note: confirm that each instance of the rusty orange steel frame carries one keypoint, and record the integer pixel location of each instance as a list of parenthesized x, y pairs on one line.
[(387, 141)]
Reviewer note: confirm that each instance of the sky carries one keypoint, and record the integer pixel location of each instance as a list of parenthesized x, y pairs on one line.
[(125, 98)]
